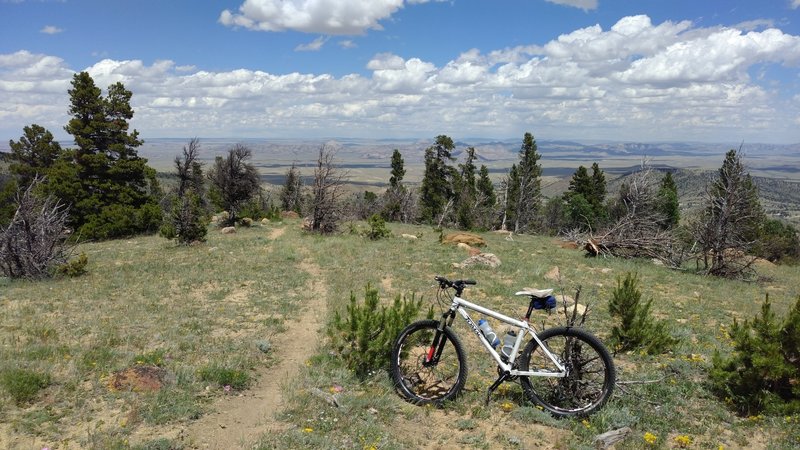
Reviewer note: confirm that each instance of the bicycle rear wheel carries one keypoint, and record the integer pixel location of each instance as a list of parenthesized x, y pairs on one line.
[(590, 377), (424, 373)]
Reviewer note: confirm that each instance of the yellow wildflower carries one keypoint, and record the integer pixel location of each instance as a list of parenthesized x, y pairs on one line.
[(650, 438), (308, 429), (683, 441)]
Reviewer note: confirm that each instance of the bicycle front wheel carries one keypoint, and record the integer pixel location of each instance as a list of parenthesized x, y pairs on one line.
[(427, 370), (590, 377)]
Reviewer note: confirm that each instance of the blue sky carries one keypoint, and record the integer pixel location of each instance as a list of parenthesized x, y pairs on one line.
[(644, 70)]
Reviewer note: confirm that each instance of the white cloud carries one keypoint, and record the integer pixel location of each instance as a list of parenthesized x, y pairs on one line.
[(795, 4), (635, 80), (50, 29), (313, 46), (331, 17), (347, 44), (585, 5)]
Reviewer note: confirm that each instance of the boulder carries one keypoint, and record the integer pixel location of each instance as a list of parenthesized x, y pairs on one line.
[(410, 237), (246, 222), (484, 259), (471, 239), (289, 215), (264, 221), (464, 246), (229, 230), (553, 275)]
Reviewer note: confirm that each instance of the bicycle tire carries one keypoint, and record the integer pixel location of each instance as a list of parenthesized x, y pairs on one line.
[(422, 383), (590, 378)]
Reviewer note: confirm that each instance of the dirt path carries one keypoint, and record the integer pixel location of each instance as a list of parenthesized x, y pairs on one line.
[(238, 422)]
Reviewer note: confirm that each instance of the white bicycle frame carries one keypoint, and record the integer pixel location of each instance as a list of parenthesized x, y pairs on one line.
[(461, 305)]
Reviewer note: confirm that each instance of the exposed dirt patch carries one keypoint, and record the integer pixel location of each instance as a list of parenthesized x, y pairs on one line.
[(436, 429), (276, 233), (238, 422), (137, 379)]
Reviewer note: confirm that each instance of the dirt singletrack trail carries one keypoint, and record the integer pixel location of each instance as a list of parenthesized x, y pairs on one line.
[(237, 422)]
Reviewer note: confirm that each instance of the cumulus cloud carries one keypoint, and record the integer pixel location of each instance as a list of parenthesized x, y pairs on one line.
[(634, 80), (795, 4), (585, 5), (332, 17), (50, 29)]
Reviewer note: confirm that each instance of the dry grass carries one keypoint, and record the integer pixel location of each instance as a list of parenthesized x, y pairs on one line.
[(207, 307)]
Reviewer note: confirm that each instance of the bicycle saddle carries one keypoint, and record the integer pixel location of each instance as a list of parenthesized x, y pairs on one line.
[(538, 293)]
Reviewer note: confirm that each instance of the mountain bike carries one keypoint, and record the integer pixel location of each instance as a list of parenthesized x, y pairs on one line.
[(566, 370)]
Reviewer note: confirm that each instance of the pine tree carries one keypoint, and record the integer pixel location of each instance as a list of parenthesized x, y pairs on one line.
[(668, 204), (485, 188), (396, 195), (597, 196), (398, 170), (731, 220), (466, 192), (527, 193), (185, 220), (234, 181), (436, 188), (111, 189), (34, 154), (579, 210), (637, 328), (291, 194)]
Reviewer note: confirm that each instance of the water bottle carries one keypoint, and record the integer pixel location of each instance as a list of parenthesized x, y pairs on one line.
[(508, 343), (488, 333)]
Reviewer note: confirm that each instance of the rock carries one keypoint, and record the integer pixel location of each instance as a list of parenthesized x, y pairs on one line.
[(612, 437), (470, 239), (264, 221), (474, 251), (553, 275), (657, 262), (485, 259), (229, 230), (246, 222), (408, 236), (463, 246), (289, 215)]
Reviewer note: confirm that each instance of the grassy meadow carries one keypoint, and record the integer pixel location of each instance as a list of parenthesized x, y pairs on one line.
[(204, 319)]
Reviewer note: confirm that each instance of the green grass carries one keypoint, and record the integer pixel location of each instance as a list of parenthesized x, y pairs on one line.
[(202, 313), (23, 385)]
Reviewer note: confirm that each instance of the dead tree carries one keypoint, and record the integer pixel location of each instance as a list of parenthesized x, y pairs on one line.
[(728, 227), (327, 207), (636, 232), (34, 243)]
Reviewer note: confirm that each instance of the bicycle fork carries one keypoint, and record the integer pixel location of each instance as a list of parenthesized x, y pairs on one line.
[(439, 341)]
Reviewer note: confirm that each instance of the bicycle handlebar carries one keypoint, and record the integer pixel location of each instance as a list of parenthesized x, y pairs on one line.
[(458, 285)]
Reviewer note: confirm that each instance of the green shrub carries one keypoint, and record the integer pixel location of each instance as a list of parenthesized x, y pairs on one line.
[(364, 337), (154, 358), (778, 242), (763, 372), (637, 329), (23, 385), (223, 376), (75, 267), (186, 221), (377, 228)]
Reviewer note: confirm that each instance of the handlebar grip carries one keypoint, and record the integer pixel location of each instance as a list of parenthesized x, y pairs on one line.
[(473, 282)]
